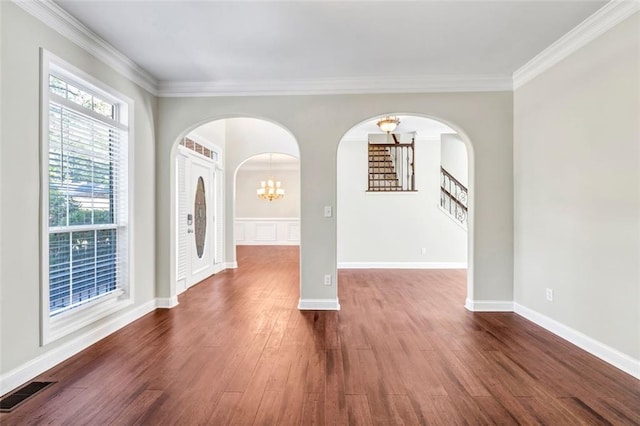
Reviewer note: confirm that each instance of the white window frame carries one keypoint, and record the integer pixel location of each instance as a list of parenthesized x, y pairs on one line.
[(65, 323)]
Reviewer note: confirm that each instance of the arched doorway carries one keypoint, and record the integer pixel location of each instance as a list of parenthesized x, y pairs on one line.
[(267, 201), (399, 206), (230, 142)]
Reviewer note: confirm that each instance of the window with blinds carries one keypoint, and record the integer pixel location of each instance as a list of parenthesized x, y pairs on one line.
[(87, 196)]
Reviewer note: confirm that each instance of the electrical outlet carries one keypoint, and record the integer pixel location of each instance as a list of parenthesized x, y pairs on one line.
[(327, 279), (550, 295), (328, 211), (423, 250)]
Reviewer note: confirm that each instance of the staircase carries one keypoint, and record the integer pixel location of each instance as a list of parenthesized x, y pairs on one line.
[(391, 167), (382, 172)]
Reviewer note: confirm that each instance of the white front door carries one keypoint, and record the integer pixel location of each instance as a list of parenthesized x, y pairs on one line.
[(201, 226), (199, 213)]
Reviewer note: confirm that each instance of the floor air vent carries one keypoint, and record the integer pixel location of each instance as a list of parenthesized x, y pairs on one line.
[(11, 401)]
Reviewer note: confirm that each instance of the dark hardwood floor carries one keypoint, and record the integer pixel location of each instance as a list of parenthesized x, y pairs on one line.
[(402, 350)]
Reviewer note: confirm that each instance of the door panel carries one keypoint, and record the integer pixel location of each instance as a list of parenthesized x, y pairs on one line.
[(199, 233), (201, 222)]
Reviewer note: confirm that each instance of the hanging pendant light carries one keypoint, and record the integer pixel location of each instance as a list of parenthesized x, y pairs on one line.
[(270, 189), (388, 124)]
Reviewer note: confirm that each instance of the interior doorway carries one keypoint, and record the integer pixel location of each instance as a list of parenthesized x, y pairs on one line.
[(203, 218), (400, 205), (267, 201)]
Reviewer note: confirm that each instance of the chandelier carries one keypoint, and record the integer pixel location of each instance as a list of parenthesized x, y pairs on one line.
[(388, 124), (270, 189)]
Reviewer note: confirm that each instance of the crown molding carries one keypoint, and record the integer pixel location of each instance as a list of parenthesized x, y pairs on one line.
[(605, 18), (62, 22), (365, 85)]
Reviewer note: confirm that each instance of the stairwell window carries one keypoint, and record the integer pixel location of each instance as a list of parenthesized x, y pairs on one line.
[(85, 200)]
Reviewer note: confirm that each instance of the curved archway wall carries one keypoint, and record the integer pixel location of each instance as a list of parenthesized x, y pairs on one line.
[(318, 123), (402, 229)]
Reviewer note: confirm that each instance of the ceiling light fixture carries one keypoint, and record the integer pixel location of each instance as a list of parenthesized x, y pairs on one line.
[(270, 189), (388, 124)]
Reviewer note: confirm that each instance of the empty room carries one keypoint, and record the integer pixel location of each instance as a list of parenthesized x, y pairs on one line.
[(319, 212)]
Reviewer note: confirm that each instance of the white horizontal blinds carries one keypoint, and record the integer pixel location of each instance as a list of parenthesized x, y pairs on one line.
[(87, 197)]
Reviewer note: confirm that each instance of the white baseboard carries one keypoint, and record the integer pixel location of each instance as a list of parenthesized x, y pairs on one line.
[(489, 305), (319, 305), (167, 302), (402, 265), (606, 353), (27, 371), (231, 265)]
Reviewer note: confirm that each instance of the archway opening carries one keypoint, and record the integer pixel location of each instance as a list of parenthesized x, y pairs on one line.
[(267, 201), (404, 198), (223, 145)]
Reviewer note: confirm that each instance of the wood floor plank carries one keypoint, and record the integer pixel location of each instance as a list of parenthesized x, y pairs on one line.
[(269, 410), (403, 411), (358, 410), (439, 410), (246, 410), (402, 350), (313, 409), (335, 408), (138, 408), (377, 396), (294, 392), (225, 408)]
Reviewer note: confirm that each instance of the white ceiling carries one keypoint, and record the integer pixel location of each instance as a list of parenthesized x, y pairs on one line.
[(261, 42)]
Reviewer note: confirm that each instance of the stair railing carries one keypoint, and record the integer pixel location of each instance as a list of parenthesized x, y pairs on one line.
[(391, 167), (453, 196)]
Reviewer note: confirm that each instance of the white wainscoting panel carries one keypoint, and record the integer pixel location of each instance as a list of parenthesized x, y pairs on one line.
[(267, 231), (293, 232), (238, 231)]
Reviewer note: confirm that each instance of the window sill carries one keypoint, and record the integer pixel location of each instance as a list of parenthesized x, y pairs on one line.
[(66, 323)]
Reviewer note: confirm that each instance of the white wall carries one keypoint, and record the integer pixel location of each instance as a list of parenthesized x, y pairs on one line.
[(577, 186), (384, 228), (454, 157), (22, 37), (249, 205)]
